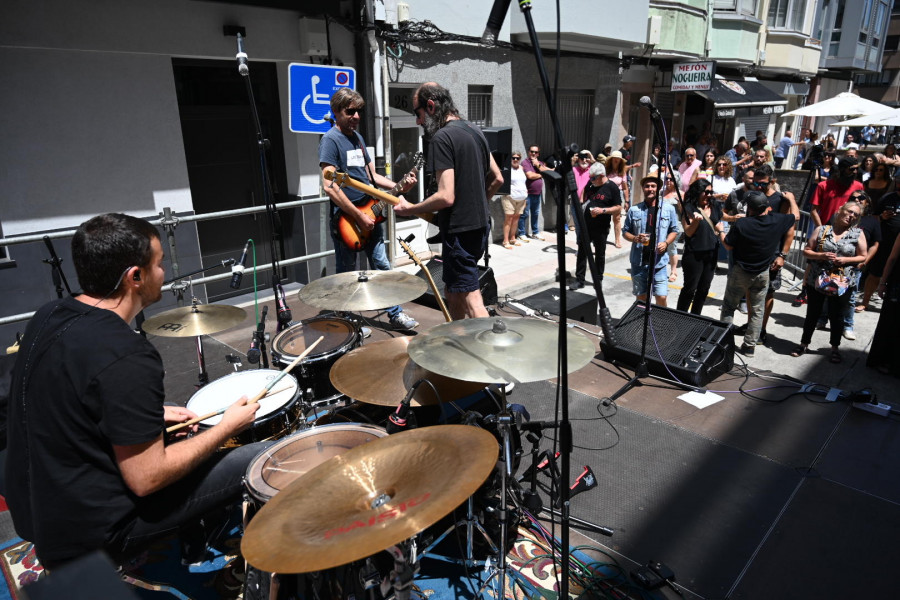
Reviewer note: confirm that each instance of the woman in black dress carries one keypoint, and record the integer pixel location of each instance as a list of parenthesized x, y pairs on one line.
[(702, 225)]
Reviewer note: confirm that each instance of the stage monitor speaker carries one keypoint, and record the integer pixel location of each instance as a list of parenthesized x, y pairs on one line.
[(435, 266), (500, 142), (579, 306), (694, 348)]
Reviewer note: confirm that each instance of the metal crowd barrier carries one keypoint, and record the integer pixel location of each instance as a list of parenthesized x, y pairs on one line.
[(168, 221)]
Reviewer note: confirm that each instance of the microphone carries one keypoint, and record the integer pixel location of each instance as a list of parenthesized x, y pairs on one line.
[(648, 104), (237, 269), (241, 56), (401, 419), (253, 353), (495, 22), (284, 312)]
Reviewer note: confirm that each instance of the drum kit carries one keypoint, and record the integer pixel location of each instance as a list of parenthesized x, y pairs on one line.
[(333, 491)]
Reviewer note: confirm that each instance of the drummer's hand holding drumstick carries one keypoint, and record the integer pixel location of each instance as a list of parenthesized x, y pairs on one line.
[(173, 415), (239, 416)]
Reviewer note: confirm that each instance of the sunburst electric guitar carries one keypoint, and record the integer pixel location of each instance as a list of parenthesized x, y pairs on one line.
[(376, 206)]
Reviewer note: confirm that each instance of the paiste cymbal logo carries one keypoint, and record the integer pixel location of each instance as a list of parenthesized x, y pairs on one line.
[(381, 517)]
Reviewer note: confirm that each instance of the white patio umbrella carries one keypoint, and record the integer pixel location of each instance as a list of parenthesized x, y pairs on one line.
[(888, 118), (844, 104)]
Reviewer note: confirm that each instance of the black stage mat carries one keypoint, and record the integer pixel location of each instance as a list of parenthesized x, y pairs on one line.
[(832, 542), (699, 506), (863, 455)]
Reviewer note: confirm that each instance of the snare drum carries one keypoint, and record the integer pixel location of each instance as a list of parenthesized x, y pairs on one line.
[(278, 413), (282, 463), (340, 337)]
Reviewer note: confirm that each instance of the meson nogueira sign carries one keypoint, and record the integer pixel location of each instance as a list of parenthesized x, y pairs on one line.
[(693, 76)]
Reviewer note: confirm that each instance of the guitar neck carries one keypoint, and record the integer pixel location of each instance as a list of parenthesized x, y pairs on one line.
[(380, 195)]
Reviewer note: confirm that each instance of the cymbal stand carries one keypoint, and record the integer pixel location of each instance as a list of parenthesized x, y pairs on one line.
[(405, 569)]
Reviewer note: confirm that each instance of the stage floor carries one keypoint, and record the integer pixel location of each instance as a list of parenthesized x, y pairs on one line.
[(767, 493)]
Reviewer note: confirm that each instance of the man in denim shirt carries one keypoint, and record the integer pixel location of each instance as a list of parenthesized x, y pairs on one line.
[(636, 231)]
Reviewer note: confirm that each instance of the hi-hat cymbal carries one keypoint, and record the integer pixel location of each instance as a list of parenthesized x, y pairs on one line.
[(387, 362), (362, 290), (498, 350), (369, 498), (190, 321)]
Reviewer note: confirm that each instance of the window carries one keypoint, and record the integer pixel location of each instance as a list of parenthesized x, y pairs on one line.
[(740, 7), (576, 119), (787, 14), (481, 105), (834, 42)]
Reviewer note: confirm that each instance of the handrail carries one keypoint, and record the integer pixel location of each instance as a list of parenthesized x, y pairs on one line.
[(159, 222), (200, 281)]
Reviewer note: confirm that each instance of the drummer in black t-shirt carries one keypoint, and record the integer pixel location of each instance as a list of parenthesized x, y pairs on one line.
[(601, 199), (89, 467)]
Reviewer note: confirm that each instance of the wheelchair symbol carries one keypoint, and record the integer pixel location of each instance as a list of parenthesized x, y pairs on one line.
[(316, 99)]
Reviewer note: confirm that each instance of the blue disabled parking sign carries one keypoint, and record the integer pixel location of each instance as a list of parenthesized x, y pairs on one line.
[(311, 88)]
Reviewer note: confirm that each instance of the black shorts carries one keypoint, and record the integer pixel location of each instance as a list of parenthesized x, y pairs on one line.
[(461, 253)]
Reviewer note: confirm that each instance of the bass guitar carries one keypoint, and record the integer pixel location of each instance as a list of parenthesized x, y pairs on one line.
[(346, 228), (437, 294)]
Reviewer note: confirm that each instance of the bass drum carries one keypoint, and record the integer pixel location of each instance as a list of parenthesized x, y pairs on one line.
[(278, 414), (314, 371)]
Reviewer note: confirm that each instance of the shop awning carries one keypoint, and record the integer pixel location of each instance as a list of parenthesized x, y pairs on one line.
[(726, 93)]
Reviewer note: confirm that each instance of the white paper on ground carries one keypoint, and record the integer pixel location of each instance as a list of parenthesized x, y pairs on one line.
[(701, 400)]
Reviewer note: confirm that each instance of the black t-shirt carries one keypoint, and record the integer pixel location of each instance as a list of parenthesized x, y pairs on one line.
[(756, 240), (871, 228), (704, 239), (452, 147), (777, 201), (606, 195), (91, 382)]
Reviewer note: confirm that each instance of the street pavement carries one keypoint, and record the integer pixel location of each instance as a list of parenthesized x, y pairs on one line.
[(531, 268)]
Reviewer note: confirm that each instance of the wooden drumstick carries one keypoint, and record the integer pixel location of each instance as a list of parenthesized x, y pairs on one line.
[(285, 372), (266, 391), (216, 413)]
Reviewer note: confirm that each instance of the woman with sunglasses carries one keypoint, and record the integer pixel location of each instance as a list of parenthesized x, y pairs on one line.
[(879, 184), (702, 228), (707, 167), (831, 249), (616, 171), (723, 182)]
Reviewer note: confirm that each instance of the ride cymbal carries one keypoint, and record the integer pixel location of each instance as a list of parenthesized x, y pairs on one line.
[(388, 362), (194, 320), (362, 290), (498, 350), (369, 498)]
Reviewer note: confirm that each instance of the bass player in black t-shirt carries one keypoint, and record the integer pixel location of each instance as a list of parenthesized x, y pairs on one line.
[(88, 465)]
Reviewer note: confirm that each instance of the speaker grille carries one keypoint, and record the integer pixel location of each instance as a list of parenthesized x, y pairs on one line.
[(676, 333)]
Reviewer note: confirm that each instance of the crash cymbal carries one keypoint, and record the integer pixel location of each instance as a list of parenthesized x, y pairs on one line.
[(498, 350), (388, 362), (369, 498), (194, 320), (362, 290)]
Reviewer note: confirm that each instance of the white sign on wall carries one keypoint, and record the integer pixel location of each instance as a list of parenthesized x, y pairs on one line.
[(695, 76)]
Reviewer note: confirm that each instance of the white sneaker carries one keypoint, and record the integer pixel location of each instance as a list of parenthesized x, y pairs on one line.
[(403, 321), (848, 334)]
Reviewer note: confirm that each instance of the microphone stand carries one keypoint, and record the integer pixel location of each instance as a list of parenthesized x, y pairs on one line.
[(642, 370), (59, 278), (565, 428), (263, 145)]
